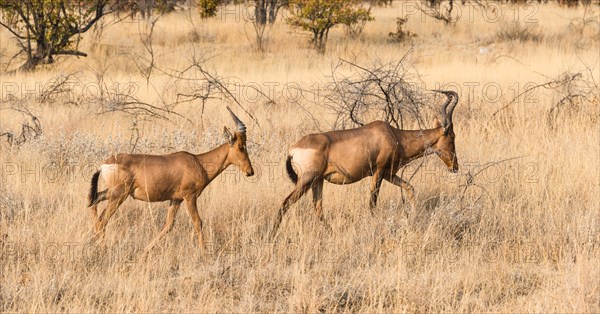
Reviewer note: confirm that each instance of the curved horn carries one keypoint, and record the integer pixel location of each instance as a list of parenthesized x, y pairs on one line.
[(451, 110), (444, 106), (240, 125)]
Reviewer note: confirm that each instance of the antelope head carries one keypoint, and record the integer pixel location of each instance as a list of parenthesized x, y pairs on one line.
[(444, 147), (238, 154)]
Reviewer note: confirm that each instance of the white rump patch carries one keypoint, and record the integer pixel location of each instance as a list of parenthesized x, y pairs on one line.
[(109, 172), (304, 158)]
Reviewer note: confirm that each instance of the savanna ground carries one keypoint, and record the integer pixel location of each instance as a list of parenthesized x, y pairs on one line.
[(525, 238)]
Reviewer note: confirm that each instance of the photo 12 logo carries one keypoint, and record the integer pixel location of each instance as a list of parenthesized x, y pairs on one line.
[(470, 11), (65, 91)]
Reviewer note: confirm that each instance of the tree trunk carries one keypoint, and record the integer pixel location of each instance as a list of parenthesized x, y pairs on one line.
[(42, 55), (260, 12), (272, 11), (31, 63), (321, 42)]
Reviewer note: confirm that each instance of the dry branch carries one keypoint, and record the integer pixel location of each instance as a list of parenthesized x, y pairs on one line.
[(470, 178), (574, 90), (203, 85), (562, 80), (28, 131), (385, 91), (59, 86)]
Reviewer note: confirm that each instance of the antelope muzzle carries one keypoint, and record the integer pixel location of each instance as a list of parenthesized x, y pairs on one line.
[(454, 168), (249, 171)]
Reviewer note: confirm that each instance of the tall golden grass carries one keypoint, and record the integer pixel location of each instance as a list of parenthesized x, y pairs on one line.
[(525, 238)]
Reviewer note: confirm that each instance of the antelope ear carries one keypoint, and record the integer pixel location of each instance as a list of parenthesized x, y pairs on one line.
[(436, 123), (230, 138)]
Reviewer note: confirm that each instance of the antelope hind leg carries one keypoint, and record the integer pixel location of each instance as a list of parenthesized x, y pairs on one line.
[(317, 190), (113, 205), (292, 198), (94, 209), (172, 212)]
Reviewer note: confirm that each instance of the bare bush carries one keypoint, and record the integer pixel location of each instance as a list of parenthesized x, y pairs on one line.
[(28, 131), (200, 84), (517, 31), (388, 92), (574, 92), (441, 10), (57, 88), (401, 35)]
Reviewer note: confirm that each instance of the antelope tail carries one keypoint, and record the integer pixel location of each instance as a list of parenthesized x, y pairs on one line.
[(290, 170), (93, 197)]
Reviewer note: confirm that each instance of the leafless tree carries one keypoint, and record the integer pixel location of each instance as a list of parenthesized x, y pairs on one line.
[(389, 92)]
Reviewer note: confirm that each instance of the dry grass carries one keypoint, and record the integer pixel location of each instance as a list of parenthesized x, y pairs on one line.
[(528, 241)]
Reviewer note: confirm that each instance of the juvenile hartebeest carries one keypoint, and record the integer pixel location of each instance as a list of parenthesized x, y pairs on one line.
[(376, 149), (175, 177)]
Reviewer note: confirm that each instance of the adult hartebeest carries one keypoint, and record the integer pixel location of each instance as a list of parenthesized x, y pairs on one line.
[(175, 177), (376, 149)]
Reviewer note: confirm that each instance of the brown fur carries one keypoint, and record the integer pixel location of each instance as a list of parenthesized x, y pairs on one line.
[(376, 149), (175, 177)]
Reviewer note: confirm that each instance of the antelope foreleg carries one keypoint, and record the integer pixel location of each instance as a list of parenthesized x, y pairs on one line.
[(410, 191), (193, 211), (375, 187)]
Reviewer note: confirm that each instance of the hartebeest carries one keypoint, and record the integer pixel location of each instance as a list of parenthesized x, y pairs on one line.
[(376, 149), (175, 177)]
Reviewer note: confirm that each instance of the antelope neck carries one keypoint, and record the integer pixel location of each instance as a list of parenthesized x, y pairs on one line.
[(215, 161), (416, 143)]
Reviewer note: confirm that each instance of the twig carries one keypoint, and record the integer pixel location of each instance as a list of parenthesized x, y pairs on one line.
[(383, 91), (28, 131), (470, 177), (564, 79)]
